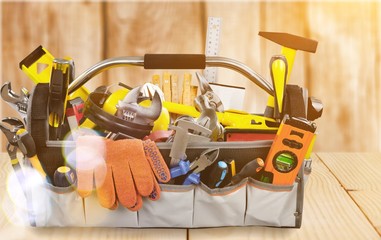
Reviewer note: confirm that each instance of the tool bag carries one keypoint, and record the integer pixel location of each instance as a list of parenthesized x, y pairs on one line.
[(248, 203)]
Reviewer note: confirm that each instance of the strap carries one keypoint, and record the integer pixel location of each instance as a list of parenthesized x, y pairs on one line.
[(37, 125)]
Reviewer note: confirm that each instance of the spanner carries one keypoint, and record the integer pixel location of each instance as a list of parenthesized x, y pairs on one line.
[(17, 102)]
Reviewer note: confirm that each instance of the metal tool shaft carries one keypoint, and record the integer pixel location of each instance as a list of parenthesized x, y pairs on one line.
[(211, 61)]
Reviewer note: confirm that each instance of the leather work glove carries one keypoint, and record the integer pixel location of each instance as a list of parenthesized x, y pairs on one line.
[(129, 172)]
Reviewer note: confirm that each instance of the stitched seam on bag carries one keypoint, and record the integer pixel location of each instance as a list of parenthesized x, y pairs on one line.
[(224, 193), (275, 187)]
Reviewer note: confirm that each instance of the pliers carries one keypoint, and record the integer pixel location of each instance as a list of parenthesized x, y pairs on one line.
[(207, 158), (10, 127), (19, 138)]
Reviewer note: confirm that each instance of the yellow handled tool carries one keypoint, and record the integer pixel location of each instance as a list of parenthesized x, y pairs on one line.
[(290, 44), (278, 68), (28, 147)]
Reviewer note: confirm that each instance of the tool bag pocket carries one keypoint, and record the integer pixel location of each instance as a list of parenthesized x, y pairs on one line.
[(98, 216), (173, 209), (220, 206), (58, 207), (271, 205)]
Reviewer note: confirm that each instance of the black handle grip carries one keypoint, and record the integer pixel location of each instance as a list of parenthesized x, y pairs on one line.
[(174, 61)]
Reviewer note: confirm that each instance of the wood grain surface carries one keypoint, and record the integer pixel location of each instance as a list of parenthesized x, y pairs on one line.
[(369, 203), (137, 28), (360, 176), (344, 72), (355, 171)]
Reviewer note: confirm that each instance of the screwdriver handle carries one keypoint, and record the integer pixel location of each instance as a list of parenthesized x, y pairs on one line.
[(249, 170), (218, 174)]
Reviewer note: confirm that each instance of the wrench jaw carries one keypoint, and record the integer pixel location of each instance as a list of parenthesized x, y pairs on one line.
[(9, 126), (207, 91), (130, 110)]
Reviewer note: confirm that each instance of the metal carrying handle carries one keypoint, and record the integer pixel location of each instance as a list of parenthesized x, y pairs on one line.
[(172, 61)]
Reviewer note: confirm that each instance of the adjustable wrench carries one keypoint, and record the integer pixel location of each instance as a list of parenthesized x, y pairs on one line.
[(17, 102)]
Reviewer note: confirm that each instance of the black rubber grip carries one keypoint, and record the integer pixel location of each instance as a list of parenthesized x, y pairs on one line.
[(174, 61), (29, 145)]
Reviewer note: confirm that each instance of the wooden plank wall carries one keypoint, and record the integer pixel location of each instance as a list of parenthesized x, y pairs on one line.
[(344, 73)]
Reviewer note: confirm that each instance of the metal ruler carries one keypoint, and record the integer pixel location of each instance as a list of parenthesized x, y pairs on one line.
[(212, 45)]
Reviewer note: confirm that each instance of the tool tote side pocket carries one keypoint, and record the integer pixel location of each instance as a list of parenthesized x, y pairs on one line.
[(220, 206), (268, 205), (278, 206), (98, 216), (57, 207), (173, 209)]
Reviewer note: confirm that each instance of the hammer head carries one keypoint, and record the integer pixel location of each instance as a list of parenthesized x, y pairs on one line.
[(291, 41)]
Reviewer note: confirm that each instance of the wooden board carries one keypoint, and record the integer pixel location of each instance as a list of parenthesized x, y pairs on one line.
[(13, 233), (137, 28), (287, 17), (369, 203), (378, 75), (239, 40), (329, 213), (355, 171), (359, 174), (62, 28), (342, 74), (245, 20), (73, 29)]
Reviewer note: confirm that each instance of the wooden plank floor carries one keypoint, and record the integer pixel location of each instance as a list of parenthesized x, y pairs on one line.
[(342, 201)]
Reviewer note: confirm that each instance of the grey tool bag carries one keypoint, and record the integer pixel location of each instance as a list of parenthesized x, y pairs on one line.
[(247, 203)]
